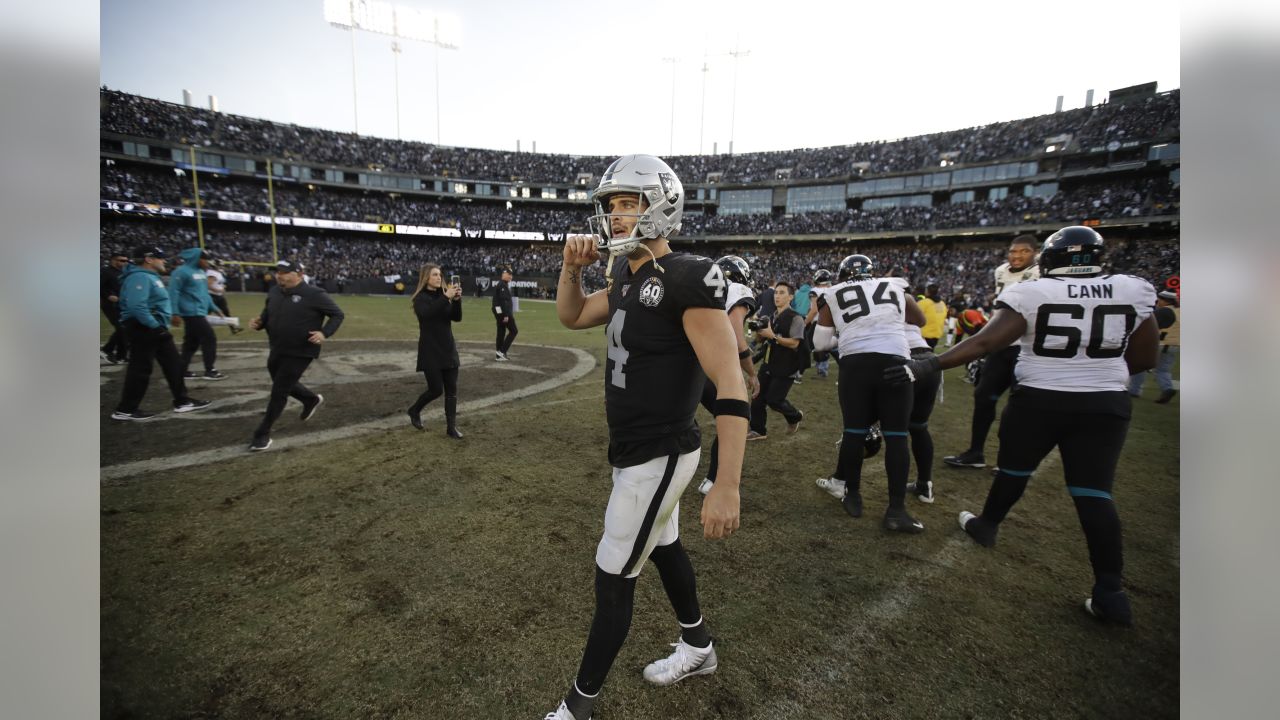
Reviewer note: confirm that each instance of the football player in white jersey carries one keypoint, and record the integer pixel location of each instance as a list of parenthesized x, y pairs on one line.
[(997, 368), (864, 315), (740, 303), (666, 326), (821, 282), (1085, 333)]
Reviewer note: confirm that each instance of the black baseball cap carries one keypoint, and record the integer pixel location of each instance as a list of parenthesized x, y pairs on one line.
[(285, 266), (143, 252)]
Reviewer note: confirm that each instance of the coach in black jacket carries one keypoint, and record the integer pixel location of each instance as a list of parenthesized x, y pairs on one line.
[(502, 312), (437, 308), (298, 317), (117, 347)]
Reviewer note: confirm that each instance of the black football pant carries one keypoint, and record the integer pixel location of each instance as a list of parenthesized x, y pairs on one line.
[(1089, 430), (923, 396), (997, 376), (145, 347), (220, 301), (773, 394), (198, 335), (118, 343), (440, 382), (506, 334), (864, 399), (285, 371)]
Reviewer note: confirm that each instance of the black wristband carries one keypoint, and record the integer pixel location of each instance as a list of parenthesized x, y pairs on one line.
[(744, 354), (738, 408)]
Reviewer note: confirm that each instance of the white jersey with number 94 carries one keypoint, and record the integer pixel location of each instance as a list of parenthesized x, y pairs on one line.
[(868, 315), (1077, 329)]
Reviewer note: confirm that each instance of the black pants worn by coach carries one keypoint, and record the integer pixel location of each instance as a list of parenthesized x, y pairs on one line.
[(1089, 430), (440, 382), (147, 346), (864, 399), (198, 335), (286, 371), (773, 394), (506, 333)]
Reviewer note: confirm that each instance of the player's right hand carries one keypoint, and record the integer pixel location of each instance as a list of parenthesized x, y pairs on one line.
[(580, 250)]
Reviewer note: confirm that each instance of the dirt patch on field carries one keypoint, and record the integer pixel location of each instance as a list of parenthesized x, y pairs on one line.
[(360, 381)]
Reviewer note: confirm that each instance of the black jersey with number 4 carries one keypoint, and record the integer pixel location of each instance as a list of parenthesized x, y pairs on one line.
[(652, 377)]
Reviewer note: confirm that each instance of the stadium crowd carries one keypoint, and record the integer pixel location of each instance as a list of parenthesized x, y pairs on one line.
[(962, 269), (1131, 197), (1146, 118)]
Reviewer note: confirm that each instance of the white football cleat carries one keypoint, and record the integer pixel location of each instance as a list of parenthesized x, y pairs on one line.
[(685, 662), (561, 713), (706, 486), (836, 488)]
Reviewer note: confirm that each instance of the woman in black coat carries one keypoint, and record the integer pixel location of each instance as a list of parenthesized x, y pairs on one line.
[(436, 307)]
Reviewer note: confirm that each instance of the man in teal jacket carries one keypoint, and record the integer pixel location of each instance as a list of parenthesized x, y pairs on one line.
[(189, 290), (144, 314)]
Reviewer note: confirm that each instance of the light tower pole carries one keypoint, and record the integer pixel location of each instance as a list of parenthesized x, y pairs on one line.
[(671, 147), (733, 113)]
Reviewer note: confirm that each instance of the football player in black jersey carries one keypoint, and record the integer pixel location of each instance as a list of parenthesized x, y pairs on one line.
[(666, 325), (1083, 333)]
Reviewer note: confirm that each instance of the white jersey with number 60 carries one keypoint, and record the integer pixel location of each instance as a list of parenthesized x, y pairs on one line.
[(1078, 329), (868, 315)]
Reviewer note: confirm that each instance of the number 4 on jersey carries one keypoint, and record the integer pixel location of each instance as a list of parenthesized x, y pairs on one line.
[(617, 353), (715, 279)]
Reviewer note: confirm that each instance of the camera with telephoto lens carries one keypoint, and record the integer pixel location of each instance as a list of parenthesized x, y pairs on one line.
[(758, 322)]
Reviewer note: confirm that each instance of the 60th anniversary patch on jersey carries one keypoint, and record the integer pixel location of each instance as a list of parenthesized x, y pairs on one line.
[(651, 292)]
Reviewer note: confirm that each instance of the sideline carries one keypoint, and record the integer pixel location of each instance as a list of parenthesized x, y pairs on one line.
[(584, 363)]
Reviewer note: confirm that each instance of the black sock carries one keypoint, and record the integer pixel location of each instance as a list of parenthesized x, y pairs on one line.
[(1005, 491), (984, 413), (922, 453), (1101, 525), (897, 465), (579, 704), (609, 628), (679, 582), (698, 636)]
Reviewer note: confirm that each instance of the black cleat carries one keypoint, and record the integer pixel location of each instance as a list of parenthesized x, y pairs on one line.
[(309, 408), (415, 419), (900, 521), (453, 432), (135, 416), (1110, 607), (974, 527), (852, 503), (191, 405), (259, 444), (1165, 397), (213, 375), (968, 458)]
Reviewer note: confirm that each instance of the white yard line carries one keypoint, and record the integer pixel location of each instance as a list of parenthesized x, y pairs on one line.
[(584, 363)]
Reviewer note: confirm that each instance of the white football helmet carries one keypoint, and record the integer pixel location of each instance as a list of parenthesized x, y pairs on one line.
[(662, 201)]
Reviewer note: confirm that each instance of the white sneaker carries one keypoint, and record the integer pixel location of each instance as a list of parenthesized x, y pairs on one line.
[(561, 713), (499, 357), (706, 486), (684, 662), (836, 488)]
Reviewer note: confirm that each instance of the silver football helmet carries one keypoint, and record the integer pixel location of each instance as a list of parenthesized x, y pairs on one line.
[(662, 202)]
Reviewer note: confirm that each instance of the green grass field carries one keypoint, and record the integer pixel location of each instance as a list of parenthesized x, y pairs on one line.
[(397, 574)]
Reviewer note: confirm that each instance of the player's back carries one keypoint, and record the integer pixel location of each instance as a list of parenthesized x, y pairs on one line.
[(1078, 329), (868, 315)]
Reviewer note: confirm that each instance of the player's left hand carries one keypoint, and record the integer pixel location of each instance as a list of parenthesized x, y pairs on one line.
[(315, 337), (720, 512), (753, 386)]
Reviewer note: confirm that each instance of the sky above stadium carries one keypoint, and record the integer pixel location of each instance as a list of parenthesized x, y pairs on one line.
[(595, 78)]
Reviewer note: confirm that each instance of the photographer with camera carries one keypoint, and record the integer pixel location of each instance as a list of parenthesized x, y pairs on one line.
[(783, 334)]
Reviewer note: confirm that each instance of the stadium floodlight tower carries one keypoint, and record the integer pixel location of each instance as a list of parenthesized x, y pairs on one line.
[(401, 23)]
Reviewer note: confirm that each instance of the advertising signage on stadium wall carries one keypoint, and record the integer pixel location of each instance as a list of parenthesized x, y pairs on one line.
[(234, 216), (335, 224), (513, 235), (204, 168), (266, 220), (145, 208), (424, 230)]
